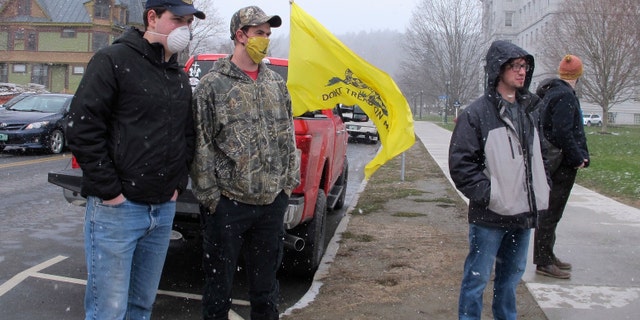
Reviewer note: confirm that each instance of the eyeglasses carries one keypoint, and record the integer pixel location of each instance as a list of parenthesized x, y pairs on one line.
[(515, 67)]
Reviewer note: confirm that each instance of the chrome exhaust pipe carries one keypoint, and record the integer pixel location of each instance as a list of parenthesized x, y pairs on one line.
[(293, 242)]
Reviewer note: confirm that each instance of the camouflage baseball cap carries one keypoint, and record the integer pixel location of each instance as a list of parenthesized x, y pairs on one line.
[(252, 16)]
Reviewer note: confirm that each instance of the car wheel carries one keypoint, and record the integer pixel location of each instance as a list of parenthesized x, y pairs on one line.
[(589, 124), (373, 139), (56, 141)]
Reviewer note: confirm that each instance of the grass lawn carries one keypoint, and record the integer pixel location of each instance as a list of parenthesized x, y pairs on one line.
[(615, 162)]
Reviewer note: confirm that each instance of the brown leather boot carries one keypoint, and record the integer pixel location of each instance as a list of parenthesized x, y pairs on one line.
[(552, 271), (562, 265)]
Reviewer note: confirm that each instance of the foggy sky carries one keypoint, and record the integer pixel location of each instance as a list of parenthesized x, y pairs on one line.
[(338, 16)]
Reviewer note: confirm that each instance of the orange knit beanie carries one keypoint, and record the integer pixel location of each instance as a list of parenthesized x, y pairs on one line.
[(570, 67)]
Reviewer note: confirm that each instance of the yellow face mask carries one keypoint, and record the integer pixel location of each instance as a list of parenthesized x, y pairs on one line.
[(257, 48)]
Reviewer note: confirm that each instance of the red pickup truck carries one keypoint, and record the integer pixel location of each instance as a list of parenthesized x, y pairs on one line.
[(321, 137)]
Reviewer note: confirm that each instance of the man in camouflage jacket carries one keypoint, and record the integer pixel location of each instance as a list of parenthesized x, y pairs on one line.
[(244, 169)]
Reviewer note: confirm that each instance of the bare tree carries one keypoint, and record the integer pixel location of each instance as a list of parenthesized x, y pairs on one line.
[(204, 31), (444, 43), (606, 36)]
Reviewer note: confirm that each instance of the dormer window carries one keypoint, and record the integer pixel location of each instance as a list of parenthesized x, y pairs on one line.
[(101, 9), (24, 8)]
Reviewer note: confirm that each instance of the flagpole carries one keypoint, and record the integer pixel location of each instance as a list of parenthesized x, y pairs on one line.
[(402, 169)]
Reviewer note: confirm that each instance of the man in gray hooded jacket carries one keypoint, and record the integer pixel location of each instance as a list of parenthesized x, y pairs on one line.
[(495, 160)]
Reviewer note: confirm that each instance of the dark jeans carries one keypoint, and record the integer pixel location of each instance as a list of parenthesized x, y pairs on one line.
[(545, 234), (261, 230)]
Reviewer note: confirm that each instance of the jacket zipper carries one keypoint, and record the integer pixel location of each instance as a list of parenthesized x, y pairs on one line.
[(513, 154)]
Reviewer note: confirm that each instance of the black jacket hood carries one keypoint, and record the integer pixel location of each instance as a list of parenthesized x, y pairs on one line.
[(500, 53)]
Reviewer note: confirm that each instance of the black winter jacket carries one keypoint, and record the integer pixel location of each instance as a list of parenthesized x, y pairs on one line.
[(500, 170), (561, 118), (130, 124)]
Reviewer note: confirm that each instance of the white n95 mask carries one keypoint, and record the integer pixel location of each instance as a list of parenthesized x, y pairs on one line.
[(178, 39)]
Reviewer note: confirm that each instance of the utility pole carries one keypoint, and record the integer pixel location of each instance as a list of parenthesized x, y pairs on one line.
[(446, 102)]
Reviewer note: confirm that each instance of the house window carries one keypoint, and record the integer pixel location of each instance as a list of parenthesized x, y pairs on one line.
[(100, 40), (31, 42), (508, 19), (19, 68), (24, 8), (124, 17), (18, 35), (78, 70), (68, 33), (101, 9), (40, 74), (4, 72)]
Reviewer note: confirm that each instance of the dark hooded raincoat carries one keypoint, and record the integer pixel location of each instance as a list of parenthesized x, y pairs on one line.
[(498, 167)]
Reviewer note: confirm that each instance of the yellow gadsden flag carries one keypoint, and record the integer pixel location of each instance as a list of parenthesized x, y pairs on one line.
[(323, 72)]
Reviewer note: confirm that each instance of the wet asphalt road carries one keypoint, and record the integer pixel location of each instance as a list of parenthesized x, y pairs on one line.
[(42, 268)]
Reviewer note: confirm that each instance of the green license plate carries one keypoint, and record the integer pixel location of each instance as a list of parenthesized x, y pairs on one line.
[(4, 137)]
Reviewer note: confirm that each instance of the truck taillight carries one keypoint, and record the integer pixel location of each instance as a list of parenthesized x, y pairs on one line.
[(74, 163), (303, 142)]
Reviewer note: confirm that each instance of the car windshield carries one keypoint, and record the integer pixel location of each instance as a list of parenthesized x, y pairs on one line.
[(40, 103), (17, 98)]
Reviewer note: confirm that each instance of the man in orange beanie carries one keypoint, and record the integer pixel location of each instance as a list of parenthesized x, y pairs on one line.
[(570, 68), (566, 152)]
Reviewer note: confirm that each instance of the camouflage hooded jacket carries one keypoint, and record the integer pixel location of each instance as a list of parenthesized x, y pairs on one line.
[(245, 142)]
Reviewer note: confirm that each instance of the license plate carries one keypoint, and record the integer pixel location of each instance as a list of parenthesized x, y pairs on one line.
[(4, 137), (352, 127)]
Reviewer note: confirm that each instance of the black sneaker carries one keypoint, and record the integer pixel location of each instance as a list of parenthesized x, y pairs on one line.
[(552, 271)]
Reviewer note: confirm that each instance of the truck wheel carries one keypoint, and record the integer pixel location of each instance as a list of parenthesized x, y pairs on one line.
[(342, 181), (307, 261)]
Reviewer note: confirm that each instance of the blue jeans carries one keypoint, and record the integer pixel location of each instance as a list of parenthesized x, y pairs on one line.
[(125, 249), (508, 249)]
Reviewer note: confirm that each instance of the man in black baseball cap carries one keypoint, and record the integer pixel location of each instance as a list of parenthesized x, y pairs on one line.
[(125, 250), (177, 7)]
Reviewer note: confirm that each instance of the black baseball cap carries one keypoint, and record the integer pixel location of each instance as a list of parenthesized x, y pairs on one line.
[(177, 7)]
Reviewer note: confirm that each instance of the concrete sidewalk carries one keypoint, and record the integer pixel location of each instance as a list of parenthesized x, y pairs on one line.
[(598, 235)]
